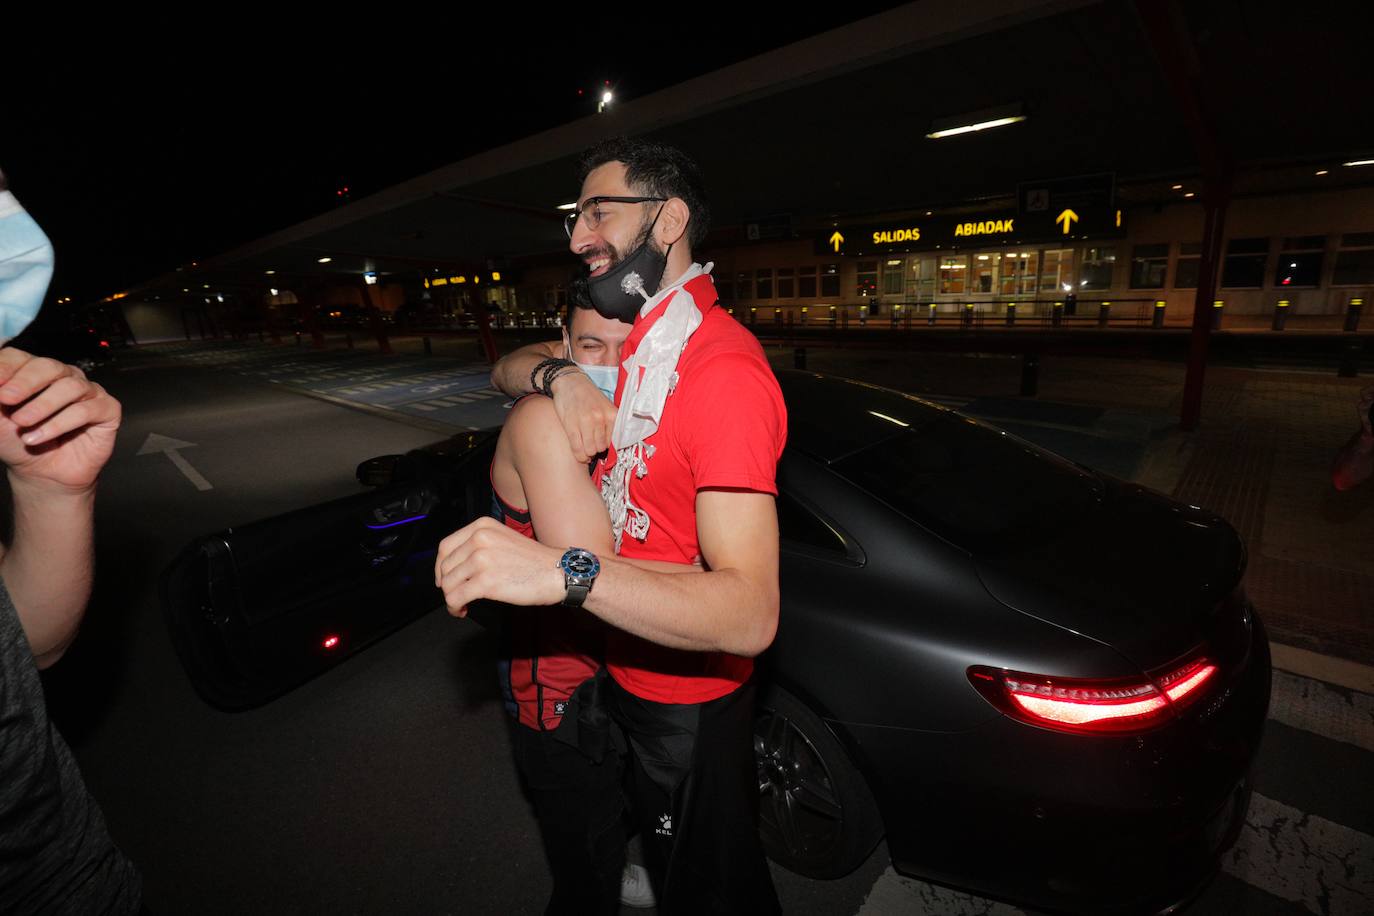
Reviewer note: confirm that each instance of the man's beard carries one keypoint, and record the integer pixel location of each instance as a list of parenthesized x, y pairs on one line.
[(613, 254)]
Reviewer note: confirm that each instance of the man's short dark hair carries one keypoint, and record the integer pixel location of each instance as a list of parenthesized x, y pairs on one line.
[(579, 297), (655, 170)]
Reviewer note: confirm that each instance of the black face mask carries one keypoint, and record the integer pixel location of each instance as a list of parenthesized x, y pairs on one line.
[(615, 294)]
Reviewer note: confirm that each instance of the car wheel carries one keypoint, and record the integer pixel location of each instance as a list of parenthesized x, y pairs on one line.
[(816, 815)]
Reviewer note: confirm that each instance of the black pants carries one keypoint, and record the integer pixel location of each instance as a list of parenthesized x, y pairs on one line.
[(693, 788), (580, 810)]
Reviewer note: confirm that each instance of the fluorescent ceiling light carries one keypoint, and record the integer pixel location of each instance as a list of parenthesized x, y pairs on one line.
[(985, 119), (1359, 162), (325, 260), (571, 206)]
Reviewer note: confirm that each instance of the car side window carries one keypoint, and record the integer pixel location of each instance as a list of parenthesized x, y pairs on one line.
[(798, 525)]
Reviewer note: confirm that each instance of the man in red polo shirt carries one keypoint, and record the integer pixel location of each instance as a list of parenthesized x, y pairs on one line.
[(694, 449)]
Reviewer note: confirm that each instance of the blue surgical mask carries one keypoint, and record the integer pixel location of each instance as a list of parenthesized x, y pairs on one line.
[(603, 377), (26, 262)]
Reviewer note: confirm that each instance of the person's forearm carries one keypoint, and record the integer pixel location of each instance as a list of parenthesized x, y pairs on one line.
[(722, 610), (48, 567), (1354, 463), (511, 374)]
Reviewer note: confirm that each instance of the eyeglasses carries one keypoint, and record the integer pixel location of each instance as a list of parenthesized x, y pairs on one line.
[(590, 211)]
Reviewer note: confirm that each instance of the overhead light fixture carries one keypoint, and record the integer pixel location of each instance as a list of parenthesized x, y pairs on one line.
[(325, 260), (270, 272), (273, 290), (370, 278), (1189, 194), (571, 206), (1322, 171), (1177, 187), (984, 119), (1358, 162)]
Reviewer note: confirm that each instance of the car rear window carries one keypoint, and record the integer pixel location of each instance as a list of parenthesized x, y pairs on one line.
[(977, 487)]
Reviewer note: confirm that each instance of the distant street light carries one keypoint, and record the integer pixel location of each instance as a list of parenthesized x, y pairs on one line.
[(606, 98)]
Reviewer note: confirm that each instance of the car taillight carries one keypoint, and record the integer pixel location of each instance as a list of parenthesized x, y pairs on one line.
[(1084, 705)]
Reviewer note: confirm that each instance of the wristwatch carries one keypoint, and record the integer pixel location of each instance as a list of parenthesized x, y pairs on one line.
[(579, 574)]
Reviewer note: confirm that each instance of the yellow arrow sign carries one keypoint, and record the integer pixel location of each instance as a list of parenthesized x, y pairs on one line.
[(1067, 218), (837, 240)]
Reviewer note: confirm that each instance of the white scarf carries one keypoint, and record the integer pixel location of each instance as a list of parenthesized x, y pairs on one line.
[(641, 403)]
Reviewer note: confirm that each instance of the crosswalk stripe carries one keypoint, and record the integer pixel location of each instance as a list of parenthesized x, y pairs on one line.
[(1304, 859), (1341, 715), (893, 893)]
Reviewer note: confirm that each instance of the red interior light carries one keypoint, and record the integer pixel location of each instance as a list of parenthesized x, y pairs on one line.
[(1084, 705)]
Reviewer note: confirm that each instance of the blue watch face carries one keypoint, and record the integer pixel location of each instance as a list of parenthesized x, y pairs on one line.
[(581, 564)]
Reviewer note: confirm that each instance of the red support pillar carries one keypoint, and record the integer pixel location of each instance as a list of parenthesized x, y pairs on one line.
[(1216, 195)]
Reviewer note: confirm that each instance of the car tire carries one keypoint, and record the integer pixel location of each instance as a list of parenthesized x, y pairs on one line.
[(817, 816)]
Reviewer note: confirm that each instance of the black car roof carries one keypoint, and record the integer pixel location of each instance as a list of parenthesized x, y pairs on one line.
[(829, 418)]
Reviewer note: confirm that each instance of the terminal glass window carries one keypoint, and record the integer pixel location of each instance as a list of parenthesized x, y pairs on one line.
[(764, 282), (894, 277), (953, 273), (745, 284), (1355, 260), (1188, 265), (726, 288), (1056, 265), (1018, 273), (1300, 261), (985, 272), (1096, 272), (867, 278), (787, 283), (1149, 263), (923, 278), (806, 282), (1244, 265), (830, 281)]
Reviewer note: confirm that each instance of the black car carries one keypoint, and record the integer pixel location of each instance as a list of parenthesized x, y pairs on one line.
[(1040, 683)]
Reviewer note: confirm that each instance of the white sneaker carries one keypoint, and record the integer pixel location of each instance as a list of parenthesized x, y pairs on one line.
[(635, 890)]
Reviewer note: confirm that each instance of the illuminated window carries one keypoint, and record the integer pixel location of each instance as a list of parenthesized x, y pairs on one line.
[(1056, 263), (1017, 275), (894, 277), (985, 272), (866, 279), (1097, 267), (1149, 264), (953, 273), (1300, 261), (923, 278)]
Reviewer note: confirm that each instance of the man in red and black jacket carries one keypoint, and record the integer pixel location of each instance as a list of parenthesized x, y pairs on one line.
[(694, 447)]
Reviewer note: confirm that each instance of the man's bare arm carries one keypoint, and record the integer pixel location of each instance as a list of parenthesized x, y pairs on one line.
[(733, 607), (586, 415)]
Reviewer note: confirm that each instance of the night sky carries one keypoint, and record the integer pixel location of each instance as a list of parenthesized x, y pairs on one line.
[(137, 155)]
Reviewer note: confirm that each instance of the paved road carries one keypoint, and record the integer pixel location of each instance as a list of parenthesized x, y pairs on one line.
[(386, 785)]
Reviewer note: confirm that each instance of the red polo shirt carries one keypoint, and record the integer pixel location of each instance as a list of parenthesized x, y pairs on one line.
[(723, 426)]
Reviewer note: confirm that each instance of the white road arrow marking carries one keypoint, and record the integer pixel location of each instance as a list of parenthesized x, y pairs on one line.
[(169, 447)]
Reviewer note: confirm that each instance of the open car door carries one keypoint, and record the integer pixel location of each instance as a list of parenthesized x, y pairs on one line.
[(257, 610)]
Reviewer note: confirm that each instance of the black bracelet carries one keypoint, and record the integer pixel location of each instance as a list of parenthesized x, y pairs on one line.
[(539, 384)]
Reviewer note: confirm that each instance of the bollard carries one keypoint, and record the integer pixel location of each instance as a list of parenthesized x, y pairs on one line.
[(1350, 360), (753, 315), (1057, 314), (1352, 313), (1011, 314), (1280, 315), (298, 338), (1104, 314), (1217, 306), (968, 314), (931, 320), (844, 320), (348, 340), (1030, 375), (429, 346), (799, 358), (1158, 320)]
